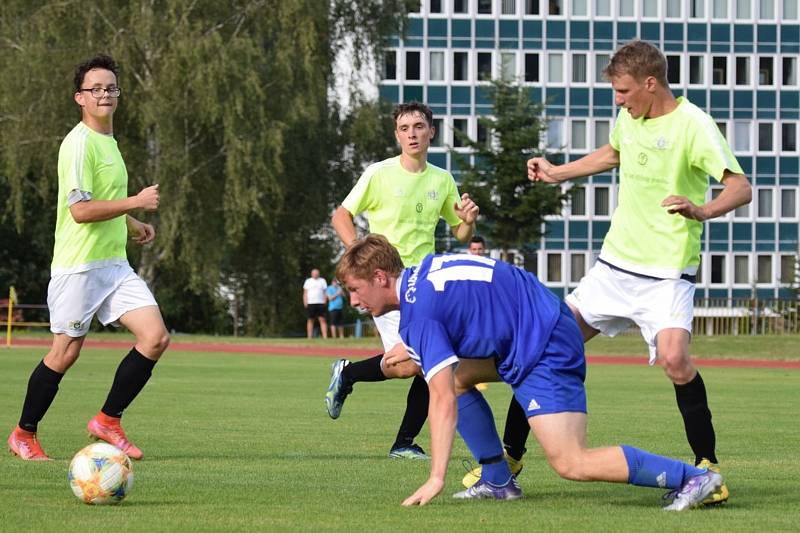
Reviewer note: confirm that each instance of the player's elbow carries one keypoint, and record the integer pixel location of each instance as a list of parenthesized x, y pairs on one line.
[(79, 214)]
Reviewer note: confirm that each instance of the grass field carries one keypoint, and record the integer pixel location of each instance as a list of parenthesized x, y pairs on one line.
[(243, 443)]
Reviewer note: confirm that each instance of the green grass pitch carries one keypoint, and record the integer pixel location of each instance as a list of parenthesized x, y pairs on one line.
[(243, 443)]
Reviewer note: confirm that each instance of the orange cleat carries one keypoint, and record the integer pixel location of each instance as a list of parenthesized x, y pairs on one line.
[(26, 445), (108, 428)]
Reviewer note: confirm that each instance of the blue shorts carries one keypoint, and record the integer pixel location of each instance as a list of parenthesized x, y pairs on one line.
[(555, 385)]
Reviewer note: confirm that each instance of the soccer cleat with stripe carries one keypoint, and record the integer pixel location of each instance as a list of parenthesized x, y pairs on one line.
[(25, 445), (336, 394), (483, 490), (412, 451), (474, 475), (719, 496), (695, 491), (106, 428)]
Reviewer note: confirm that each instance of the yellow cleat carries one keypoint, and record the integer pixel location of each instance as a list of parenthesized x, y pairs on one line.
[(720, 495), (472, 476)]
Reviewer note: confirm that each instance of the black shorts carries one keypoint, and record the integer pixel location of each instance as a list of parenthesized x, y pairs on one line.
[(335, 317), (316, 310)]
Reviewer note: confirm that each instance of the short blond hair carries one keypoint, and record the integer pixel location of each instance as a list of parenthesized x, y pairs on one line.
[(640, 60), (367, 255)]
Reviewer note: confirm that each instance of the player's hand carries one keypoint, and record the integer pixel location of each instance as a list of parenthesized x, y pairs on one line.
[(140, 232), (681, 205), (396, 355), (425, 493), (540, 169), (468, 212), (148, 198)]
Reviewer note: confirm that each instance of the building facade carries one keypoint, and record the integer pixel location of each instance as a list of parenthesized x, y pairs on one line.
[(737, 59)]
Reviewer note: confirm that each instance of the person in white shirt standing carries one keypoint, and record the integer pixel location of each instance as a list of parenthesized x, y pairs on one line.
[(314, 301)]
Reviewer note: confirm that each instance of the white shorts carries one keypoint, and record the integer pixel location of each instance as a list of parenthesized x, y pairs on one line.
[(612, 301), (388, 326), (108, 292)]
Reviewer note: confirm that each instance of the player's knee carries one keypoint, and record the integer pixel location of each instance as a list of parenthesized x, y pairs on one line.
[(567, 466), (677, 366), (155, 344)]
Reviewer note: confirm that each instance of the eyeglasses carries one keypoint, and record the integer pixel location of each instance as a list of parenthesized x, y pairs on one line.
[(99, 92)]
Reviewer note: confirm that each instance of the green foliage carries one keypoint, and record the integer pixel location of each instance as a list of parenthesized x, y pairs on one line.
[(226, 105), (512, 207)]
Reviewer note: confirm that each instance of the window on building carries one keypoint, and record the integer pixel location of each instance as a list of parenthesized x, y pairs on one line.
[(650, 8), (555, 7), (766, 9), (435, 6), (579, 68), (390, 65), (531, 263), (764, 203), (460, 66), (741, 269), (532, 67), (508, 66), (578, 201), (602, 130), (720, 9), (600, 63), (789, 136), (531, 7), (696, 69), (742, 70), (578, 135), (765, 136), (723, 128), (741, 136), (555, 134), (790, 9), (555, 68), (766, 71), (484, 66), (460, 6), (602, 8), (508, 7), (412, 66), (743, 211), (789, 71), (788, 268), (674, 69), (719, 73), (602, 201), (577, 266), (484, 7), (744, 10), (436, 66), (580, 8), (715, 191), (674, 9), (717, 269), (459, 125), (697, 9), (483, 134), (788, 203), (764, 269), (626, 8), (438, 128), (554, 267)]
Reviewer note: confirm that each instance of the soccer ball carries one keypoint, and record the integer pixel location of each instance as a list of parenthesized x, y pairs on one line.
[(100, 474)]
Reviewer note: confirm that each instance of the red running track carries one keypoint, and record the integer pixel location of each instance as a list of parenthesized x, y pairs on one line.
[(320, 351)]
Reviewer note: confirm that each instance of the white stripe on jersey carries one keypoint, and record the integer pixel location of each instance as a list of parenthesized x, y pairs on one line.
[(452, 360)]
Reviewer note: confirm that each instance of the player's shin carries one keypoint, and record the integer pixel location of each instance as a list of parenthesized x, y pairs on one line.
[(476, 426)]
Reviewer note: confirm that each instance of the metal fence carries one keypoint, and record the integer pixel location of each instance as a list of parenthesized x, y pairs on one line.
[(743, 316)]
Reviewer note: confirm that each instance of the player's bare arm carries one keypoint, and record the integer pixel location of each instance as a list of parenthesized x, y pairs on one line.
[(100, 210), (468, 213), (342, 222), (442, 417), (736, 192), (140, 232), (602, 159)]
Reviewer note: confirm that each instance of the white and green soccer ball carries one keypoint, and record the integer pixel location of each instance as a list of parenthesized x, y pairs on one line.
[(100, 474)]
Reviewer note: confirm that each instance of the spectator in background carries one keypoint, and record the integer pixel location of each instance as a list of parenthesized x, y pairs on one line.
[(477, 246), (314, 301), (335, 308)]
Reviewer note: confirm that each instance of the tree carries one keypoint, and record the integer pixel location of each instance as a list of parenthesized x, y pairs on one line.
[(494, 172)]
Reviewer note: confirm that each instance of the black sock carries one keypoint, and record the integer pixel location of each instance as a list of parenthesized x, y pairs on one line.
[(364, 370), (517, 430), (131, 377), (416, 413), (693, 405), (42, 389)]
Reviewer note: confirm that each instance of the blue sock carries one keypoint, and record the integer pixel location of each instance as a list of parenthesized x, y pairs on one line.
[(476, 426), (649, 470)]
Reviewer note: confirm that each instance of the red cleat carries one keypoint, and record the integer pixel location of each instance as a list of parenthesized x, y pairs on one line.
[(26, 445), (107, 428)]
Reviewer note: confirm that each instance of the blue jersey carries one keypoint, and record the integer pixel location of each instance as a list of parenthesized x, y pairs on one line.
[(475, 307)]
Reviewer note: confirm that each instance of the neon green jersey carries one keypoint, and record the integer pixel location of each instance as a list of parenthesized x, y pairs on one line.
[(669, 155), (405, 207), (89, 166)]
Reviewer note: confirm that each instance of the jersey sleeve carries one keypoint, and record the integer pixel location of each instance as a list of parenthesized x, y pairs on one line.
[(78, 163), (710, 151), (429, 346), (361, 196), (616, 132), (448, 212)]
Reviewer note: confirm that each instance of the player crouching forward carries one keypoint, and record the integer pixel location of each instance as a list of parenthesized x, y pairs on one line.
[(505, 326)]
